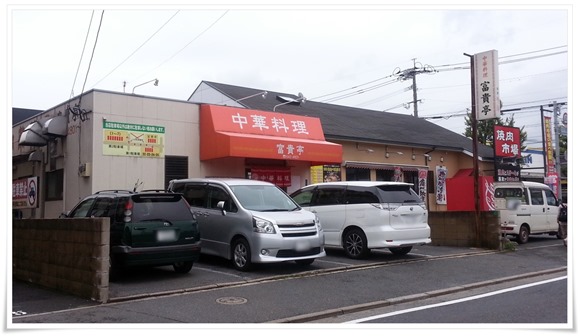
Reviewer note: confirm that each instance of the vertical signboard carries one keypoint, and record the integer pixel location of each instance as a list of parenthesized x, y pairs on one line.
[(423, 184), (507, 151), (441, 187), (551, 177), (487, 104)]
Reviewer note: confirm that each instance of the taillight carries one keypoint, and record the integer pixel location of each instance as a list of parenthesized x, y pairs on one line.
[(128, 211)]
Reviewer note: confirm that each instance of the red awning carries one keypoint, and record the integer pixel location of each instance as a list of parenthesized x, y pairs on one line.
[(464, 172), (234, 132)]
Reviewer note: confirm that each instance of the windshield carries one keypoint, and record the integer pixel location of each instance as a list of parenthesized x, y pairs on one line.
[(263, 198)]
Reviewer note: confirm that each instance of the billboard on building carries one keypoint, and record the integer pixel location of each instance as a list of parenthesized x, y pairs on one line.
[(124, 139), (25, 193)]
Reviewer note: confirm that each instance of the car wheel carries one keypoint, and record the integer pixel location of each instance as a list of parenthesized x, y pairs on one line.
[(241, 255), (355, 244), (400, 250), (183, 266), (304, 262), (524, 235)]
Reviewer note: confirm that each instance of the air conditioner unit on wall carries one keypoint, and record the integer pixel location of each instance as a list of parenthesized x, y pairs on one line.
[(85, 169)]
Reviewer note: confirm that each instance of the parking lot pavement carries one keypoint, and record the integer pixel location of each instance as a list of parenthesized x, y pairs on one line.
[(28, 298)]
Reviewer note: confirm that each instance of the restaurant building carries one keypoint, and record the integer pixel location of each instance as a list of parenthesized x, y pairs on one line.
[(110, 140)]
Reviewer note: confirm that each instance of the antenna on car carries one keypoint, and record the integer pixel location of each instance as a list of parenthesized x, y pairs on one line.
[(137, 184)]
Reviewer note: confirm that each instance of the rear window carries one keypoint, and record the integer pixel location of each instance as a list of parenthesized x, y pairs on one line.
[(398, 194), (167, 207), (508, 192)]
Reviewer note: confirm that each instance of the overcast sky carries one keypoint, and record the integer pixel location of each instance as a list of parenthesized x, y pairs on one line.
[(337, 54)]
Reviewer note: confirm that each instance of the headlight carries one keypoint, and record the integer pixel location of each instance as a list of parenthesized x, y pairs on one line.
[(317, 222), (263, 226)]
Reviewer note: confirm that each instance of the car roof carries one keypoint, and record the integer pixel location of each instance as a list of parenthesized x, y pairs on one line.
[(231, 181), (522, 184), (360, 183)]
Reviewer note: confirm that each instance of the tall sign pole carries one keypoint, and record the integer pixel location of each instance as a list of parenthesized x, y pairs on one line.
[(485, 105), (475, 152)]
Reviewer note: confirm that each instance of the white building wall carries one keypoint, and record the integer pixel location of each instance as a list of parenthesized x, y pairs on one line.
[(181, 137), (207, 95)]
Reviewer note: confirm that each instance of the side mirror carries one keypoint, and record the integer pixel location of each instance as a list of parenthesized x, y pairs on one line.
[(63, 215)]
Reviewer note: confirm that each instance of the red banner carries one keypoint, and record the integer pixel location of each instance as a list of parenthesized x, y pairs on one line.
[(278, 176)]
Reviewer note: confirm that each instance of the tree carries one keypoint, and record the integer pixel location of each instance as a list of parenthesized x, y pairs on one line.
[(485, 130)]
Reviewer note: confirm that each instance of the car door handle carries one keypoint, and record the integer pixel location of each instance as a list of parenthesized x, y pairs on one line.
[(139, 228)]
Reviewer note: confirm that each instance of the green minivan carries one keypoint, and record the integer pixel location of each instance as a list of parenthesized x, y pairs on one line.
[(148, 228)]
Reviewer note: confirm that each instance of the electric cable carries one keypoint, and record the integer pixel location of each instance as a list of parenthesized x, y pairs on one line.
[(82, 53), (133, 53)]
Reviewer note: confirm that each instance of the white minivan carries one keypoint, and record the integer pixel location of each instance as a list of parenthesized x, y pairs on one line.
[(248, 221), (526, 208), (361, 215)]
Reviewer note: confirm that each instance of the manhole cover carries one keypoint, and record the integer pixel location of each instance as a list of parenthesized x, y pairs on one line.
[(232, 300)]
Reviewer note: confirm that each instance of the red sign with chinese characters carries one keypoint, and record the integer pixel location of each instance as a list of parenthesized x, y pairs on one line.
[(235, 132), (506, 141)]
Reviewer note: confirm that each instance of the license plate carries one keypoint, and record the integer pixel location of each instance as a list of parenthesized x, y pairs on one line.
[(302, 245), (166, 235)]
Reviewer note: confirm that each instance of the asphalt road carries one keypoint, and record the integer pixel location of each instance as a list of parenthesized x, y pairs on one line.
[(285, 293)]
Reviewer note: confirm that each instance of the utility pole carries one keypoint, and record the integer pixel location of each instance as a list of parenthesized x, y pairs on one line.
[(418, 68)]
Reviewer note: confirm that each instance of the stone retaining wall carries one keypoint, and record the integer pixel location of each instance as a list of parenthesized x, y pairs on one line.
[(69, 255)]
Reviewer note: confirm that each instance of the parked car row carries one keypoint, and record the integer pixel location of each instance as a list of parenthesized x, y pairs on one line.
[(249, 222)]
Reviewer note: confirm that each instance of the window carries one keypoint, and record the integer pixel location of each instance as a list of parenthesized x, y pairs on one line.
[(329, 196), (358, 174), (550, 198), (54, 185), (537, 196), (101, 207), (82, 209), (194, 194), (398, 194), (360, 195), (304, 197), (176, 167), (385, 175)]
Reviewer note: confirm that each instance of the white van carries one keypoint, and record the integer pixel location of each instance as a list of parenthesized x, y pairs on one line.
[(248, 221), (359, 216), (526, 208)]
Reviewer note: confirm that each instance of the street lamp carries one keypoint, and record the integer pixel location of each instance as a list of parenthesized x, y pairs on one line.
[(153, 80), (264, 94), (301, 100)]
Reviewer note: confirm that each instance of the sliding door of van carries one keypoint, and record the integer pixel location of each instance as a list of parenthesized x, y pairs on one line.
[(538, 219)]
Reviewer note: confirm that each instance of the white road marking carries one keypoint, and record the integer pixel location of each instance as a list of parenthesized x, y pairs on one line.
[(370, 318)]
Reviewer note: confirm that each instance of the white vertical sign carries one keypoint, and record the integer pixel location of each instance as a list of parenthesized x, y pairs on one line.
[(487, 105)]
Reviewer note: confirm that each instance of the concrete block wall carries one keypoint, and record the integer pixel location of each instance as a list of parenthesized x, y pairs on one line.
[(69, 255), (458, 228)]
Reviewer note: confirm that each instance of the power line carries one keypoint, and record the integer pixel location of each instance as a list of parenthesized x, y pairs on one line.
[(439, 70), (92, 55), (133, 53), (82, 53), (190, 42)]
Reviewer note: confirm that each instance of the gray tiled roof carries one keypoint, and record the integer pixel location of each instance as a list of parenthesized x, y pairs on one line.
[(21, 114), (355, 124)]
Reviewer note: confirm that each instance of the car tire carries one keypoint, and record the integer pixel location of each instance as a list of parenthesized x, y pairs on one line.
[(524, 235), (241, 255), (400, 251), (305, 262), (183, 266), (355, 244)]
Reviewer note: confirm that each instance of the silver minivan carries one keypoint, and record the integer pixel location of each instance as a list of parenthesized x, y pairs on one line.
[(362, 215), (249, 221)]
